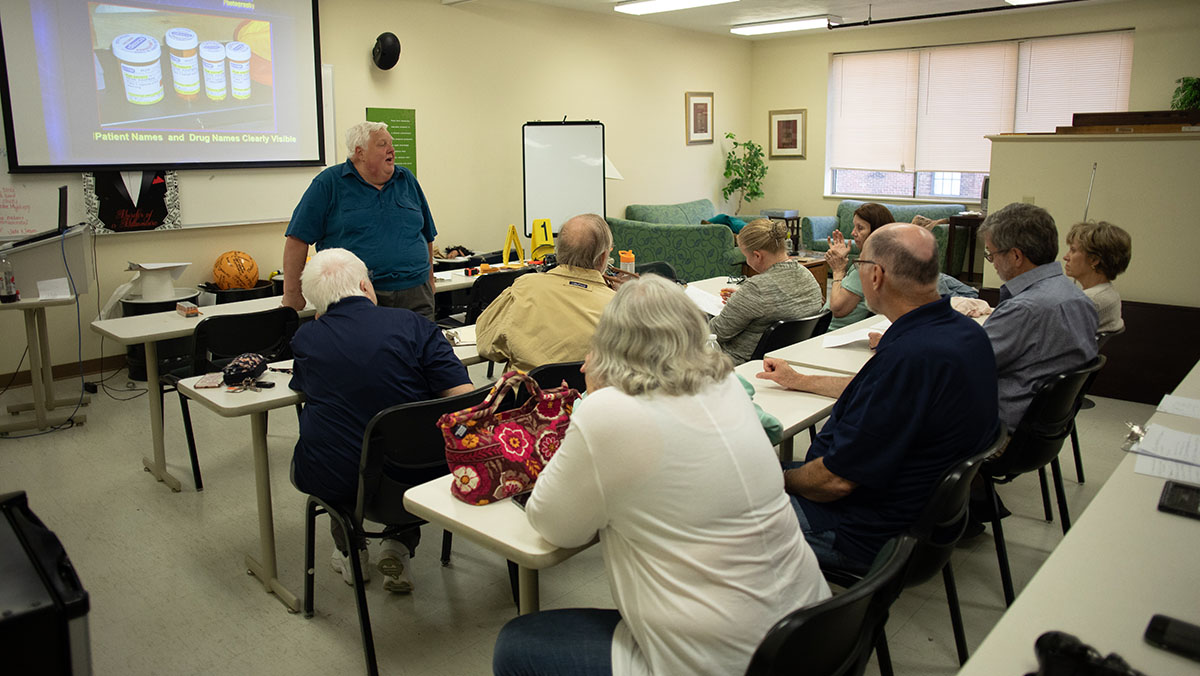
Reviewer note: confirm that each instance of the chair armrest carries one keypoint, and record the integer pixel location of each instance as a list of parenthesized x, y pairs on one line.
[(815, 231)]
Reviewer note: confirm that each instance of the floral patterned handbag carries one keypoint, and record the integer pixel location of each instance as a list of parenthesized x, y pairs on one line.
[(494, 455)]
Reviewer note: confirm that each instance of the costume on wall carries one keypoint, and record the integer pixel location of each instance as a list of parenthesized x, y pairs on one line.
[(111, 208)]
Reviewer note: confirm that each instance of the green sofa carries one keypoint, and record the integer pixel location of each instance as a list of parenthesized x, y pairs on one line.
[(674, 233), (815, 230)]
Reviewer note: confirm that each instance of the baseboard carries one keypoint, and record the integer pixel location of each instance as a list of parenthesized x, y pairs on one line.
[(71, 370)]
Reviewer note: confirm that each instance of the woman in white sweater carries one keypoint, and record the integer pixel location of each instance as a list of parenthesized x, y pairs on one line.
[(1096, 254), (666, 460)]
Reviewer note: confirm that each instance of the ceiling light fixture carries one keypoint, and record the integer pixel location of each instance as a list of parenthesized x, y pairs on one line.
[(786, 25), (640, 7)]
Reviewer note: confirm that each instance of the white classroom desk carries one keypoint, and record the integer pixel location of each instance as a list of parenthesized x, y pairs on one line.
[(844, 359), (150, 328), (41, 374), (1122, 562), (457, 281), (502, 527)]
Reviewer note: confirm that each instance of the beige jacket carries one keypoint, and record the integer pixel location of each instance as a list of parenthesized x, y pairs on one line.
[(543, 318)]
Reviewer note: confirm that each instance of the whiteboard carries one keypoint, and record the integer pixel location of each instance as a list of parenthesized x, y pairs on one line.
[(564, 171)]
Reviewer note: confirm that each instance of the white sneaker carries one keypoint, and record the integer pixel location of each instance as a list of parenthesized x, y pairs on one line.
[(393, 565), (341, 564)]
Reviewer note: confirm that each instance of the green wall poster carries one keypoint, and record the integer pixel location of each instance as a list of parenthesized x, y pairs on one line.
[(402, 125)]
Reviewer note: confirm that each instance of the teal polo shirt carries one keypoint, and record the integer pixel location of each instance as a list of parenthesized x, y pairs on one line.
[(389, 229)]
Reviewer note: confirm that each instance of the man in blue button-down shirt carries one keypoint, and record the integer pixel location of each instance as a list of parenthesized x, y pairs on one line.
[(1043, 325)]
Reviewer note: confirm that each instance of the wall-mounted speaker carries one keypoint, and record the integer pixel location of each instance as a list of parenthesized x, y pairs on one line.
[(387, 50)]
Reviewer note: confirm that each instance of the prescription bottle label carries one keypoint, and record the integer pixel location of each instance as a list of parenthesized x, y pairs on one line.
[(185, 62), (238, 54), (141, 70), (212, 61)]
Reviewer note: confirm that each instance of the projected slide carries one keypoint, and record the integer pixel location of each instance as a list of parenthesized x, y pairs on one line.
[(187, 82)]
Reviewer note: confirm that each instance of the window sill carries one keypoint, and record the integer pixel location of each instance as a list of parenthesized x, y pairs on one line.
[(892, 199)]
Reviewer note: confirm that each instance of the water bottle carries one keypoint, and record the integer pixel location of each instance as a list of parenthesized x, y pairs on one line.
[(8, 282), (626, 260)]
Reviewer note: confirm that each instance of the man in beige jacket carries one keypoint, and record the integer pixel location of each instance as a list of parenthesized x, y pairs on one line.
[(548, 318)]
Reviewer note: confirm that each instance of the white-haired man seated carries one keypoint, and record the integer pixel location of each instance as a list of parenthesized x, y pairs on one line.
[(353, 361)]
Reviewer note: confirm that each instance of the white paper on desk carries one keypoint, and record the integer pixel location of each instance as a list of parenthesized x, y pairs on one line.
[(1168, 444), (709, 303), (1167, 469), (444, 276), (863, 335), (463, 335), (1180, 406), (54, 288)]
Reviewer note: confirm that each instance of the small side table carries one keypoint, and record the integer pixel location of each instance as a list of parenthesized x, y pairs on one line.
[(40, 370), (971, 223), (793, 224)]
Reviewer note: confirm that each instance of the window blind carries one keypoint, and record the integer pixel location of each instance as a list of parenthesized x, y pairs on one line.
[(873, 110), (1058, 77)]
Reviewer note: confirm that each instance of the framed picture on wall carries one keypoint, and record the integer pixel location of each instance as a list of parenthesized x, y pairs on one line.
[(698, 112), (787, 128)]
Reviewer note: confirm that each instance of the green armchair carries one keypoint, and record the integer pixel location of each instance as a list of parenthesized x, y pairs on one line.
[(815, 230), (674, 233)]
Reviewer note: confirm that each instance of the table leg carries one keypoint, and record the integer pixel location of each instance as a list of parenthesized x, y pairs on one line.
[(266, 571), (35, 367), (972, 237), (48, 401), (157, 466), (786, 451), (527, 579)]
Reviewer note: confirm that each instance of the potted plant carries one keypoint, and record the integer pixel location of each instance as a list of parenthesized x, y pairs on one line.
[(745, 169), (1187, 94)]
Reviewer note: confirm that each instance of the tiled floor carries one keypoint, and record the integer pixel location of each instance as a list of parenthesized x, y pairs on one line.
[(170, 595)]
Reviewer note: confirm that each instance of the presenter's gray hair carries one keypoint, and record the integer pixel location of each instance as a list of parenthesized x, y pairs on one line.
[(584, 242), (360, 134), (653, 338), (331, 275), (1026, 227)]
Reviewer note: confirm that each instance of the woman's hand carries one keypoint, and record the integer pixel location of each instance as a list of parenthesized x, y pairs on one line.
[(838, 255), (725, 294)]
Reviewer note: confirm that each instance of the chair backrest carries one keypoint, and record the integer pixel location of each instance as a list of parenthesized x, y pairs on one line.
[(219, 338), (944, 518), (489, 287), (553, 375), (835, 637), (1046, 423), (660, 268), (790, 331), (1104, 336), (403, 447)]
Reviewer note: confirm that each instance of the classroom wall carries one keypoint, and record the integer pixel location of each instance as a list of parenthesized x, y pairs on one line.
[(791, 73), (474, 73)]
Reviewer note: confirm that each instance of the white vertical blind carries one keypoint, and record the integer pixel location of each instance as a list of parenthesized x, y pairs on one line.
[(966, 92), (873, 110), (1058, 77)]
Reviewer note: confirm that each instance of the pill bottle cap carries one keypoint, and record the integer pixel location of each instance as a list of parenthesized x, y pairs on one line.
[(212, 50), (237, 51), (182, 38), (136, 48)]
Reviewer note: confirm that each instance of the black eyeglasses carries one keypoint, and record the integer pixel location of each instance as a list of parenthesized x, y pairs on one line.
[(863, 260), (989, 255)]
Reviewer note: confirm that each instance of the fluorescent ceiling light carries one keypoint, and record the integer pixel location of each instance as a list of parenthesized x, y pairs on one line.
[(640, 7), (786, 25)]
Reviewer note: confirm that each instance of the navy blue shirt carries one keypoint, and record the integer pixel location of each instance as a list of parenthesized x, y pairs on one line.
[(351, 363), (925, 401)]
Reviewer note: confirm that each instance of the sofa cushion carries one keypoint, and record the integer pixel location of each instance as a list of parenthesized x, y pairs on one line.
[(686, 212), (695, 251)]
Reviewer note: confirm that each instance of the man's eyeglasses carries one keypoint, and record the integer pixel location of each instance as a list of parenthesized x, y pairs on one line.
[(863, 260), (989, 255)]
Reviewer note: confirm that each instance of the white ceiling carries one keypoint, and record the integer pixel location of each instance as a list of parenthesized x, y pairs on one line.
[(719, 18)]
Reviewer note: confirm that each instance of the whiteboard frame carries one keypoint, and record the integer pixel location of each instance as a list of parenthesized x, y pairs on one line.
[(536, 181)]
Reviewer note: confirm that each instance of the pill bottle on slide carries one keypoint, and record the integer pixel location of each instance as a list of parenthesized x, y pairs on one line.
[(139, 56), (212, 60), (238, 54), (185, 64)]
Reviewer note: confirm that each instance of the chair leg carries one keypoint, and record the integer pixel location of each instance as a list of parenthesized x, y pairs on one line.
[(812, 433), (1045, 495), (514, 582), (1078, 457), (882, 655), (1063, 514), (960, 636), (310, 521), (491, 369), (299, 408), (447, 539), (1001, 550), (360, 598), (191, 442)]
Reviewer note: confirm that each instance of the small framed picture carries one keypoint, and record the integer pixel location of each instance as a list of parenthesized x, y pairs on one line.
[(698, 112), (787, 128)]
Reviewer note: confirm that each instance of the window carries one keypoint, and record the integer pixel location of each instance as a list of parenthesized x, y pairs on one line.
[(911, 123)]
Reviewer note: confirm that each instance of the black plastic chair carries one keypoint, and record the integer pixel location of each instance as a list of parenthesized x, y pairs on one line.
[(791, 331), (1035, 443), (1101, 338), (402, 448), (220, 338), (553, 375), (835, 637), (936, 531)]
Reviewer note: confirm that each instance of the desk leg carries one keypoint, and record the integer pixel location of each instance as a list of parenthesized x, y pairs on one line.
[(35, 367), (972, 238), (48, 371), (46, 401), (785, 451), (527, 580), (157, 466), (266, 571)]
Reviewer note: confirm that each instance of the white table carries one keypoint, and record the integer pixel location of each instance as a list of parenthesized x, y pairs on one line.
[(457, 280), (1122, 562), (503, 528), (256, 405), (845, 359), (150, 328), (40, 370)]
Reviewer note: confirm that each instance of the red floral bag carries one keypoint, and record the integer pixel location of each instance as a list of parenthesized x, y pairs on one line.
[(495, 455)]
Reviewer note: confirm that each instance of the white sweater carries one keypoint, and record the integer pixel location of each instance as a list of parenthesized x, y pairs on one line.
[(702, 547)]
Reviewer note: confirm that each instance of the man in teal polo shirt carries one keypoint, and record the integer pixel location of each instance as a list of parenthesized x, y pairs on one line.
[(374, 209)]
